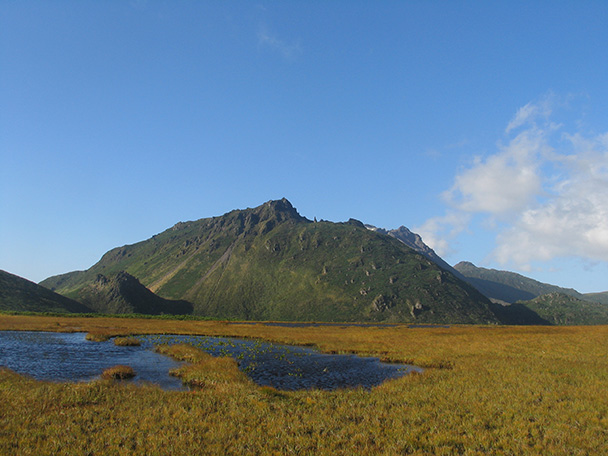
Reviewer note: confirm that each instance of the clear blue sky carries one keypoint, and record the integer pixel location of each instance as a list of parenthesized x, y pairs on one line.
[(480, 125)]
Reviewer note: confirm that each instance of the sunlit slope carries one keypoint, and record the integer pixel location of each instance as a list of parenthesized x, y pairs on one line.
[(269, 263)]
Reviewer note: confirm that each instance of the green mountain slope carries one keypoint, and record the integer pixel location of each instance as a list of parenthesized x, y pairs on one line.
[(19, 294), (562, 309), (270, 263), (508, 286)]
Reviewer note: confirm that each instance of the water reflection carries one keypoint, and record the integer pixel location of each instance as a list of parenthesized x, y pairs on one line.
[(69, 357)]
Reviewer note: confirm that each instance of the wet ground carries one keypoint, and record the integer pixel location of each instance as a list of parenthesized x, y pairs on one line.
[(69, 357)]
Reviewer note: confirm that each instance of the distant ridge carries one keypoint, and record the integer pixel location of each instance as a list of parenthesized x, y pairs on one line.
[(562, 309), (270, 263), (19, 294), (508, 286)]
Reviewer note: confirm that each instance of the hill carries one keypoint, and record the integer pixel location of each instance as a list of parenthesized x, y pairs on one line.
[(508, 286), (123, 293), (270, 263), (562, 309), (19, 294)]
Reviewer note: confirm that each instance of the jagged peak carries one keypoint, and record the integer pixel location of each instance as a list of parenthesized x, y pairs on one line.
[(281, 209), (355, 222), (119, 277), (465, 264)]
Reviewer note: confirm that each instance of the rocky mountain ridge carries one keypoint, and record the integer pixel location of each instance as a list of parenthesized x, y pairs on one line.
[(270, 263)]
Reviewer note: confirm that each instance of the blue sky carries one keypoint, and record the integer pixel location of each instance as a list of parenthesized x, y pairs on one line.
[(480, 125)]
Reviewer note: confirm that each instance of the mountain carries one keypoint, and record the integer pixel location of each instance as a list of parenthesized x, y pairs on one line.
[(562, 309), (508, 287), (19, 294), (123, 293), (270, 263)]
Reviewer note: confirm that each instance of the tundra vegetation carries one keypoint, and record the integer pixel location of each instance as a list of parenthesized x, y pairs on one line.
[(485, 390)]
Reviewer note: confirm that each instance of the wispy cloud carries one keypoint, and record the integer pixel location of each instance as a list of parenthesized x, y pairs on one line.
[(529, 113), (439, 232), (547, 187), (271, 41)]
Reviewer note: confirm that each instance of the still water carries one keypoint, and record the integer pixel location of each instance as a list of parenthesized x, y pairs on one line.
[(69, 357)]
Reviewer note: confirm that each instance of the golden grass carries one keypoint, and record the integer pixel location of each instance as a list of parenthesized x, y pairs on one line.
[(507, 390), (204, 370)]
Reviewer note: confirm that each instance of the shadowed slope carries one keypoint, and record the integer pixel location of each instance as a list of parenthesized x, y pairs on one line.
[(19, 294), (123, 293)]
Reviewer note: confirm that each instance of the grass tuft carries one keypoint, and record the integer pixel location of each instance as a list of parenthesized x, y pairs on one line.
[(119, 372), (97, 337), (127, 341)]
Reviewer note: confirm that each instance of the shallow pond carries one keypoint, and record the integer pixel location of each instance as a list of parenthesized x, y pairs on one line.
[(69, 357)]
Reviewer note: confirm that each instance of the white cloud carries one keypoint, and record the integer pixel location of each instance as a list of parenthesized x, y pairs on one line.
[(504, 182), (549, 189), (574, 220)]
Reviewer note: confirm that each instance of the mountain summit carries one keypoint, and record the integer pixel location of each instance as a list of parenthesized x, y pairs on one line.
[(270, 263)]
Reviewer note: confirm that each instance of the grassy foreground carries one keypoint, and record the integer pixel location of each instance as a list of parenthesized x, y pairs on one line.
[(493, 390)]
